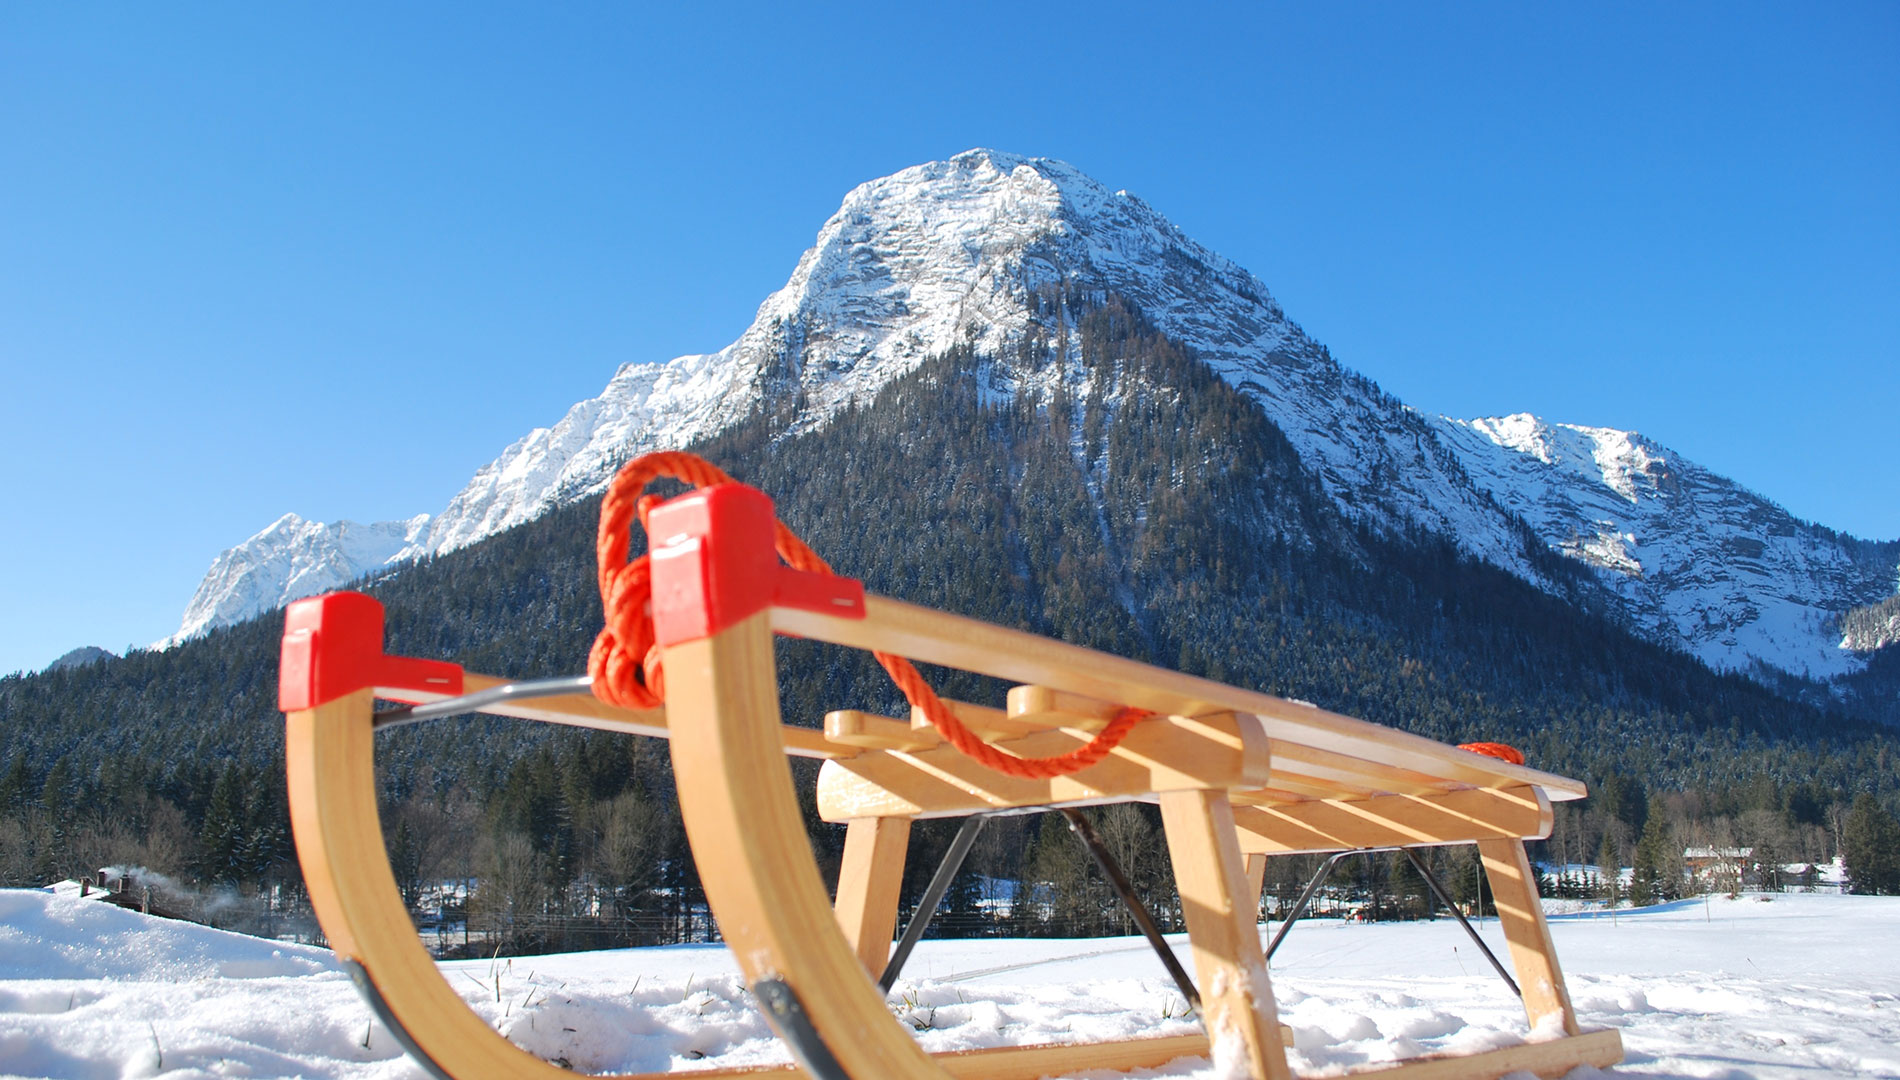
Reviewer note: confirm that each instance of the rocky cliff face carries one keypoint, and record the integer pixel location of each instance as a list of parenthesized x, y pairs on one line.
[(1698, 560), (982, 249)]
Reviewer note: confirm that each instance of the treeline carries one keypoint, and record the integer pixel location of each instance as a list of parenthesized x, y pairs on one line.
[(1098, 484)]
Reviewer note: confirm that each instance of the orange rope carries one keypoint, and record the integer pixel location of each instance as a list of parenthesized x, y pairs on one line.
[(625, 660), (1495, 749)]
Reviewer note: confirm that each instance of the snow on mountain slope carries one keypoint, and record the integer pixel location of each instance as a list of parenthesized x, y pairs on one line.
[(1875, 626), (291, 558), (965, 249), (915, 263), (909, 266), (1729, 575)]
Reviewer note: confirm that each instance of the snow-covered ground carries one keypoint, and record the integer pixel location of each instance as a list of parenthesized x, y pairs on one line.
[(1796, 986)]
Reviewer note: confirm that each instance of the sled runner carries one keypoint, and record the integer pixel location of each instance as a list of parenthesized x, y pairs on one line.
[(1238, 776)]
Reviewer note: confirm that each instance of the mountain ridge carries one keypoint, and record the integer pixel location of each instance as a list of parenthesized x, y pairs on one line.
[(972, 249)]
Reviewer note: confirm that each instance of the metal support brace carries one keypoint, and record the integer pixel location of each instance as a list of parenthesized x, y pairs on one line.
[(1439, 891), (1306, 897), (1079, 824), (1431, 882), (933, 896)]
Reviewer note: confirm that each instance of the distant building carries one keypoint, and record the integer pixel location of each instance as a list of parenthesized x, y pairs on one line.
[(118, 888), (1718, 869), (1800, 877)]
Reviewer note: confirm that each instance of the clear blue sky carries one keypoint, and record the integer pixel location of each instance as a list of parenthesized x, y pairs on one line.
[(330, 259)]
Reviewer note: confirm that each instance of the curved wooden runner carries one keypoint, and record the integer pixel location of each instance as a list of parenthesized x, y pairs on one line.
[(331, 775)]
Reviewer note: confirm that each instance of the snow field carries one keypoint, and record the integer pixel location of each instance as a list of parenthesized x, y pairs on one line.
[(1788, 986)]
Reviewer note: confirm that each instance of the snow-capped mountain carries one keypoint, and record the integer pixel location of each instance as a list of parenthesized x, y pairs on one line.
[(1697, 559), (291, 559), (961, 251)]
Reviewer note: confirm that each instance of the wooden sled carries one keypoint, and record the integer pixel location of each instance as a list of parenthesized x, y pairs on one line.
[(1238, 775)]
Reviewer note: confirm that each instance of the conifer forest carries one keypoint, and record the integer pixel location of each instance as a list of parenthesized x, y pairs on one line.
[(1143, 508)]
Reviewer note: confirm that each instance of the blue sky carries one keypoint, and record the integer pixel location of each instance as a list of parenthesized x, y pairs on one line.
[(331, 259)]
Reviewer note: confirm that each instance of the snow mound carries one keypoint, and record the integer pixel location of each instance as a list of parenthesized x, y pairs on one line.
[(45, 936), (1761, 987)]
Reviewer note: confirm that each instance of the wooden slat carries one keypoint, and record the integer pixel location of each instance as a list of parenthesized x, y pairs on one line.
[(1514, 889), (1324, 773), (588, 711), (1451, 818), (1350, 773), (989, 724), (1034, 1062), (1045, 706), (1162, 754), (1237, 1007), (870, 878), (953, 641), (1273, 795), (1288, 788), (868, 731), (1554, 1058)]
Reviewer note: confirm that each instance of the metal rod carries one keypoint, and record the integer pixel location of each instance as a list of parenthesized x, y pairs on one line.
[(793, 1024), (1079, 824), (933, 896), (494, 695), (1306, 897), (1439, 891)]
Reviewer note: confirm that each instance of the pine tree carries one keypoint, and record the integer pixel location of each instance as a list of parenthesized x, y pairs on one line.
[(1870, 846), (56, 794), (1609, 873), (221, 837), (1652, 877), (405, 862), (1056, 882), (14, 785)]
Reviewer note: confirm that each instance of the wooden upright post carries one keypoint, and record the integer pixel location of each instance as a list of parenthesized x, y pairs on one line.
[(1237, 1007), (1256, 869), (1514, 888), (869, 880)]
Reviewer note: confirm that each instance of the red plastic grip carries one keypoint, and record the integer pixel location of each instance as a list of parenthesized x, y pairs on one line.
[(333, 646), (714, 565)]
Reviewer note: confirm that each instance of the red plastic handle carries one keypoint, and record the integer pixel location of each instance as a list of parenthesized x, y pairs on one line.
[(714, 565), (333, 646)]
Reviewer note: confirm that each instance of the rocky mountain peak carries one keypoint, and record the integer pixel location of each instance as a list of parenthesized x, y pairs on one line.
[(970, 251)]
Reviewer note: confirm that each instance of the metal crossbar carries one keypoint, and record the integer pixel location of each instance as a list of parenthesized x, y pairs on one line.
[(494, 695)]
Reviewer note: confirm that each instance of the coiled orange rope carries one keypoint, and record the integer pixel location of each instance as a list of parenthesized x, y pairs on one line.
[(1495, 749), (625, 660)]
